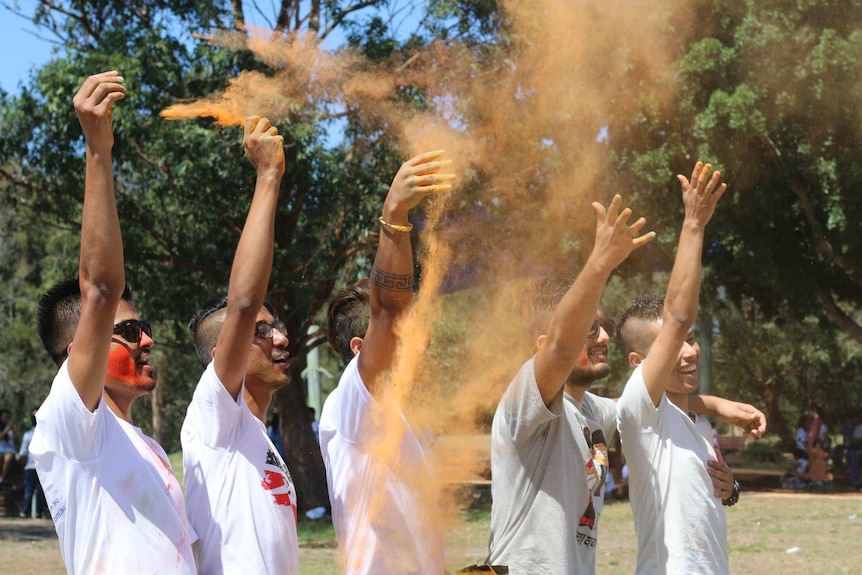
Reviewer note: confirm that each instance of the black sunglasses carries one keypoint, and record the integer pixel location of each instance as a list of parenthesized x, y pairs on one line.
[(604, 323), (131, 329), (263, 329)]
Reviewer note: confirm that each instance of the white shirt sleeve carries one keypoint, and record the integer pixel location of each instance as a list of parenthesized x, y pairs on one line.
[(65, 425), (213, 412), (522, 408)]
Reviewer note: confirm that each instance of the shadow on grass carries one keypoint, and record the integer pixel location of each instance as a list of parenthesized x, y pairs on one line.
[(24, 530)]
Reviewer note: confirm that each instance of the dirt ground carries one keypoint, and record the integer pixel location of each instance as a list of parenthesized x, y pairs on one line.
[(787, 533)]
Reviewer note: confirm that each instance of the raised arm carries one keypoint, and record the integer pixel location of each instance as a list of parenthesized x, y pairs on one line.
[(100, 270), (252, 262), (700, 196), (392, 275), (567, 331)]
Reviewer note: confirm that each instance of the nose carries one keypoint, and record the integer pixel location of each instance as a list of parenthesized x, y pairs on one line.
[(603, 337), (279, 339), (146, 341), (688, 350)]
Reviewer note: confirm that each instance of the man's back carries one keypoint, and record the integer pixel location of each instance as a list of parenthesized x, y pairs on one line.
[(680, 524), (383, 499), (110, 489)]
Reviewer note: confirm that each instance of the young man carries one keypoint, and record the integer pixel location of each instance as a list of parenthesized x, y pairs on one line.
[(587, 418), (381, 487), (239, 494), (677, 481), (116, 504), (543, 472)]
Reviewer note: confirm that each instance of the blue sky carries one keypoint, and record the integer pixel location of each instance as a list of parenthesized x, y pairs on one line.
[(21, 48)]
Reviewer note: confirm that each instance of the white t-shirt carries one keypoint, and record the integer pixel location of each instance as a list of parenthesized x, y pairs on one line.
[(679, 521), (382, 490), (116, 504), (25, 449), (548, 468), (239, 495)]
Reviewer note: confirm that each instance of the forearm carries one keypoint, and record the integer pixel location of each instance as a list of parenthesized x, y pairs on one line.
[(683, 290), (101, 266), (252, 264), (391, 290)]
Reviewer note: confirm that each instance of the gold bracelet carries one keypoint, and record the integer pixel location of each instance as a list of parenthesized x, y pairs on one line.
[(396, 227)]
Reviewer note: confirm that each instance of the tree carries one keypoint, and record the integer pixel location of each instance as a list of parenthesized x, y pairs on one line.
[(184, 187), (768, 91)]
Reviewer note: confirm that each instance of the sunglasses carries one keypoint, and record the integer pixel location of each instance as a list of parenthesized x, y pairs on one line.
[(263, 329), (602, 323), (131, 330)]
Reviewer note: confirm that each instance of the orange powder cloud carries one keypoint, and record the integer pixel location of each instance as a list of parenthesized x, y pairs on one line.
[(522, 129)]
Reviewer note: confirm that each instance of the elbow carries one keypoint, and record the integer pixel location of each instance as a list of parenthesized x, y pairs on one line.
[(101, 293), (244, 306)]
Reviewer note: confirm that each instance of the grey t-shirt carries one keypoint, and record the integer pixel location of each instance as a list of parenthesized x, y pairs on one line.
[(547, 488)]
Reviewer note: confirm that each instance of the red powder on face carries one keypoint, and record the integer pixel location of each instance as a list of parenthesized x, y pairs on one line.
[(122, 367)]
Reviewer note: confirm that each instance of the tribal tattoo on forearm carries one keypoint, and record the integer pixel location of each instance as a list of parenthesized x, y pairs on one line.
[(391, 282)]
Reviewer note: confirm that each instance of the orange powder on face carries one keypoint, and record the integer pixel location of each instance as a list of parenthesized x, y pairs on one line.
[(122, 367)]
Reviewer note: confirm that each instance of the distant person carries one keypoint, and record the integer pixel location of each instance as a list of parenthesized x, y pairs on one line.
[(32, 487), (116, 504), (854, 450), (817, 428), (273, 430), (818, 464), (383, 505), (8, 440), (240, 496), (678, 483), (802, 431), (315, 424)]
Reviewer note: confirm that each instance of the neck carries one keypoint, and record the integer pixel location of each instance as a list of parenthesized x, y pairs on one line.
[(576, 391), (121, 406), (679, 399), (257, 402)]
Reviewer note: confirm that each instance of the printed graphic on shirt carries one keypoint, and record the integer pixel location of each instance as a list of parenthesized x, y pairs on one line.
[(278, 482), (597, 472)]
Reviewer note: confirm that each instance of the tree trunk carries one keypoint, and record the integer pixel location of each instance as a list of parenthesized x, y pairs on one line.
[(777, 424), (300, 444)]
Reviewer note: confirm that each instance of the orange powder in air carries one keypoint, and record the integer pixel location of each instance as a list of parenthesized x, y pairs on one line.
[(523, 130)]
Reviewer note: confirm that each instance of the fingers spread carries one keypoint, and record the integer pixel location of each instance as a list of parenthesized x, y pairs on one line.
[(431, 167), (425, 157), (644, 239)]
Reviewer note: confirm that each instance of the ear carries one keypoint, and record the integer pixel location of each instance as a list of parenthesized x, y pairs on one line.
[(69, 348), (212, 353), (355, 345), (540, 341), (635, 358)]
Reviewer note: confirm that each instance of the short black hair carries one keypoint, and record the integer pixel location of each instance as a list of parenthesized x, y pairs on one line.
[(645, 307), (347, 317), (541, 299), (57, 317), (206, 325)]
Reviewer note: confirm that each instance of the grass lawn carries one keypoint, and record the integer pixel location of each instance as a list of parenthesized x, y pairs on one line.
[(823, 529)]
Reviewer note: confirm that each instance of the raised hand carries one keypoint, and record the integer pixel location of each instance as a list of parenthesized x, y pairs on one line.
[(417, 178), (264, 147), (93, 103), (700, 195), (614, 239)]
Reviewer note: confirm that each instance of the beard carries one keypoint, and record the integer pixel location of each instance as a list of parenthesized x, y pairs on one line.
[(123, 367), (583, 376)]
